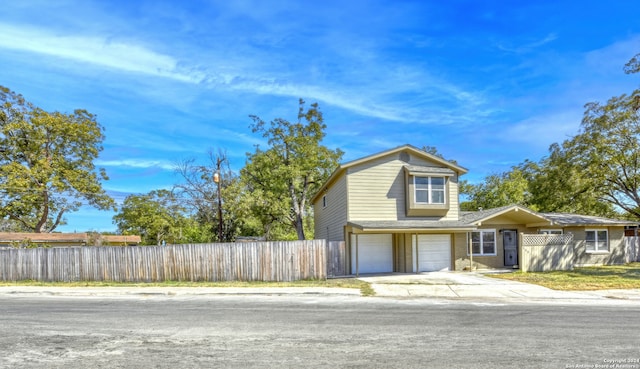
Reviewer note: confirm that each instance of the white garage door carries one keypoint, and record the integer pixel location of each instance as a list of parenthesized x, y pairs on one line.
[(375, 253), (434, 252)]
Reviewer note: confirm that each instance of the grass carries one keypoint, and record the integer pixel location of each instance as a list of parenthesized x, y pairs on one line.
[(582, 279), (364, 287)]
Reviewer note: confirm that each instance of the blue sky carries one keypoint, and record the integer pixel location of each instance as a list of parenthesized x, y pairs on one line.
[(489, 83)]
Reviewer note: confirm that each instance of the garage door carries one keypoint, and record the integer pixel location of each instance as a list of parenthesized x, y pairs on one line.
[(434, 252), (375, 253)]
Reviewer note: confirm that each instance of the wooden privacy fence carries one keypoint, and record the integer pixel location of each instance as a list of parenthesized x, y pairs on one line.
[(542, 252), (632, 248), (336, 259), (253, 261)]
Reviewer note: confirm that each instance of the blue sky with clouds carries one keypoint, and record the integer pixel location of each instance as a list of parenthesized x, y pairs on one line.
[(489, 83)]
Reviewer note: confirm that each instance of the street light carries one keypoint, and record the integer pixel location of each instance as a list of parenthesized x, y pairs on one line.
[(217, 180)]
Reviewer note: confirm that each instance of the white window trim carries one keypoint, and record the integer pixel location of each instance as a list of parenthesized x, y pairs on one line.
[(495, 242), (597, 251), (430, 191), (548, 231)]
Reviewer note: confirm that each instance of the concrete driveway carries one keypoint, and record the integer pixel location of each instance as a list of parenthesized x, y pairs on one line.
[(474, 285)]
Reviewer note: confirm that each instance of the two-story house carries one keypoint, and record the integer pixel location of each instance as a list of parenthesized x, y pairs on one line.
[(398, 211)]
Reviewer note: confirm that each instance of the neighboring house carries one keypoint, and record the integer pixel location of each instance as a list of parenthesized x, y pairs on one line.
[(398, 211), (10, 239)]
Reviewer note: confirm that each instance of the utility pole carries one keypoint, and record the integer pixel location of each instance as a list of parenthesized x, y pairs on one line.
[(217, 178)]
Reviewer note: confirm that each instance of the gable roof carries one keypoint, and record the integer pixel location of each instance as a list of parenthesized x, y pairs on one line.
[(412, 149), (566, 219), (520, 213), (409, 148)]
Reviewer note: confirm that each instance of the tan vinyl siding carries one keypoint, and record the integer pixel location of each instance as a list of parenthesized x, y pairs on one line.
[(377, 190), (330, 220), (454, 204), (460, 242), (616, 254)]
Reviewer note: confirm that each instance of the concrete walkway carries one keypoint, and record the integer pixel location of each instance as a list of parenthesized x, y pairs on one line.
[(465, 285)]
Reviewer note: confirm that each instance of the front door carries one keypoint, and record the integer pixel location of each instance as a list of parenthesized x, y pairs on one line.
[(510, 244)]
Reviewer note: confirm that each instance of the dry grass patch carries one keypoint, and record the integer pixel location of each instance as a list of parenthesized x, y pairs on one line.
[(582, 279), (364, 287)]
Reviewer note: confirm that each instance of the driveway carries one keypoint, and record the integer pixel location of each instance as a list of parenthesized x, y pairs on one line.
[(476, 285)]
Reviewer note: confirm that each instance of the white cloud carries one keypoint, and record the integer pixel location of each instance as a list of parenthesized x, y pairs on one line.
[(432, 98), (95, 50), (137, 163), (544, 130), (528, 46)]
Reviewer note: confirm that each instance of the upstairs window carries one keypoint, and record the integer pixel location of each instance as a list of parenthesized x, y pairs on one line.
[(429, 190), (597, 240)]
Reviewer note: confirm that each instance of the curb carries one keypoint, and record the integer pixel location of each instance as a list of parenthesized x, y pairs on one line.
[(170, 291)]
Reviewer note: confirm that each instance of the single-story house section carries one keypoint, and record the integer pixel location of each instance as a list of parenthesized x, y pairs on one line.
[(12, 239), (398, 211)]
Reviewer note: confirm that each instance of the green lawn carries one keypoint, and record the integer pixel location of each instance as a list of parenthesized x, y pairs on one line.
[(364, 287), (582, 279)]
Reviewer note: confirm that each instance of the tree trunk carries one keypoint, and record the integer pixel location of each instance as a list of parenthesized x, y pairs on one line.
[(299, 224), (45, 214)]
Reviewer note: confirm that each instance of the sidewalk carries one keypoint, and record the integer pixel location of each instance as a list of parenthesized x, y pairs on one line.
[(435, 285), (465, 285)]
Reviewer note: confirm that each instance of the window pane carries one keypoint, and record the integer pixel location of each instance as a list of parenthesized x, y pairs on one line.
[(437, 183), (488, 248), (488, 237), (591, 245), (602, 235), (421, 182), (422, 196), (437, 197), (602, 241), (475, 237), (602, 246), (488, 242), (590, 236), (475, 242)]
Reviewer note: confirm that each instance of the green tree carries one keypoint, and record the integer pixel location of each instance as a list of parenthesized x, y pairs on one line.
[(284, 176), (558, 184), (46, 163), (157, 216), (508, 188), (607, 150)]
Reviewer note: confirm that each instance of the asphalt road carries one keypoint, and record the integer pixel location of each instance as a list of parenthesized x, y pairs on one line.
[(317, 331)]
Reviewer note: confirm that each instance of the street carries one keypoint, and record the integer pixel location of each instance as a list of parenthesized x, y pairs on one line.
[(311, 331)]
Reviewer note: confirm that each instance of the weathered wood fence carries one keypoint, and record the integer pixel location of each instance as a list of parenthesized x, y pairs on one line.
[(541, 253), (632, 248), (336, 259), (253, 261)]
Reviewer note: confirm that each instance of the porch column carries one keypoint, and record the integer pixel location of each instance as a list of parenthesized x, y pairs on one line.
[(357, 262), (470, 247), (415, 247)]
